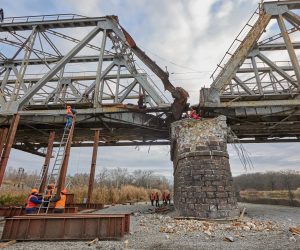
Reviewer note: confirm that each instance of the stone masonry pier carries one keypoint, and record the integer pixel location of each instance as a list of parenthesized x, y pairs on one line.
[(202, 178)]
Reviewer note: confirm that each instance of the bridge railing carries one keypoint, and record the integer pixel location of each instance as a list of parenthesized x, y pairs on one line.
[(41, 18), (236, 43)]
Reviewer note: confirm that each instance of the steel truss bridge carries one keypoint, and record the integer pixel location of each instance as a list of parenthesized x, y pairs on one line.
[(93, 64)]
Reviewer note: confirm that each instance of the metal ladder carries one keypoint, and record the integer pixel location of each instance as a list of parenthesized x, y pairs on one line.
[(54, 176)]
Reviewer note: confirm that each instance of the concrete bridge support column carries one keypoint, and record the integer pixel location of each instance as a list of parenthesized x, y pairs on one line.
[(202, 178)]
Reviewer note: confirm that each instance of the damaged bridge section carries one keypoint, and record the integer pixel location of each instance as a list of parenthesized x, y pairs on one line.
[(203, 184)]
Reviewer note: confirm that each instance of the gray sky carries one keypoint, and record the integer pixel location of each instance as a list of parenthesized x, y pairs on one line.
[(189, 37)]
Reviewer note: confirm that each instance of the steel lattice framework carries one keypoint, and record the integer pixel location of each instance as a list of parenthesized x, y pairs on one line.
[(49, 61), (257, 83)]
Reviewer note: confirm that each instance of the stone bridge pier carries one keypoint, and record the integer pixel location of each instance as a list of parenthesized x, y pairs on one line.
[(203, 184)]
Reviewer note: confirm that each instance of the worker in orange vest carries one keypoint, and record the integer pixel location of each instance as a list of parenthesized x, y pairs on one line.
[(32, 202), (70, 113), (164, 197), (152, 198), (60, 202)]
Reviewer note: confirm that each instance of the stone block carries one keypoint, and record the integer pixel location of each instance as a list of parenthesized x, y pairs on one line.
[(202, 179)]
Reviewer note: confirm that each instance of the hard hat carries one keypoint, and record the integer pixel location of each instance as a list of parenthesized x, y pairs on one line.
[(34, 191), (51, 185), (64, 191)]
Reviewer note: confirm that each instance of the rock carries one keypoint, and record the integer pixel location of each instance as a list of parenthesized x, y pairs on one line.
[(207, 232), (292, 238), (167, 236), (229, 239)]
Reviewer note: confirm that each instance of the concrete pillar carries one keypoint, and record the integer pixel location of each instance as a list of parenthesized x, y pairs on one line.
[(202, 178)]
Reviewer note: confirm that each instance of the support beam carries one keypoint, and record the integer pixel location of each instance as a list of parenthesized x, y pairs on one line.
[(290, 49), (8, 145), (93, 166), (277, 69), (258, 81), (292, 17), (4, 132), (99, 73), (243, 85), (58, 66), (22, 70), (47, 161), (230, 68)]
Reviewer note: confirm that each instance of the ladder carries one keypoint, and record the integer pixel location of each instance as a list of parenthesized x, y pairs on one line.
[(56, 169)]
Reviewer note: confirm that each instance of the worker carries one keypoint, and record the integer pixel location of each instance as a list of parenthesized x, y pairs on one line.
[(168, 198), (1, 15), (60, 202), (156, 199), (141, 102), (194, 115), (70, 113), (164, 197), (32, 202), (152, 198), (48, 194)]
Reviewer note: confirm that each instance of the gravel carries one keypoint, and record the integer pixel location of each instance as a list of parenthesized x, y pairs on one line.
[(147, 231)]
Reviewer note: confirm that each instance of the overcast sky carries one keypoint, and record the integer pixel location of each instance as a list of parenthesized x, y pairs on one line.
[(189, 37)]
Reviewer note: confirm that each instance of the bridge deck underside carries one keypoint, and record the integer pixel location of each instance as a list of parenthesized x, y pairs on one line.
[(262, 124)]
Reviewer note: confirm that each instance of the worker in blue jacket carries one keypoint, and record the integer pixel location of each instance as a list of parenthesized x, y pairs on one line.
[(33, 202)]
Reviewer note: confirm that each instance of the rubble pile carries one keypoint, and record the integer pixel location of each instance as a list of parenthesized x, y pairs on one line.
[(176, 226)]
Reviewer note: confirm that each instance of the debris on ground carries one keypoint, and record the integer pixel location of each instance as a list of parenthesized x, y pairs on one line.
[(175, 226), (229, 239), (295, 230), (94, 241), (126, 244), (6, 244), (161, 210)]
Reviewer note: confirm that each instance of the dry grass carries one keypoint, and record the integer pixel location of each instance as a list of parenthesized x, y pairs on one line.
[(278, 194), (107, 195)]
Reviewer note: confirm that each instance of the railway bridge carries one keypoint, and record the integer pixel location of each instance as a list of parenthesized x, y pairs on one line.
[(94, 65)]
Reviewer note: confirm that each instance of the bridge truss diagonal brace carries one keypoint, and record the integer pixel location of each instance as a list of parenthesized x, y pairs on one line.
[(240, 55), (142, 80), (30, 93), (243, 85), (290, 48), (277, 69)]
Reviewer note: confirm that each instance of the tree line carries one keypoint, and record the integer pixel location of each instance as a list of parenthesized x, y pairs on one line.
[(269, 181), (111, 178)]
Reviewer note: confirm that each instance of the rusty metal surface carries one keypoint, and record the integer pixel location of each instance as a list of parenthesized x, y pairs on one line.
[(47, 161), (64, 227), (70, 199), (18, 211), (126, 217), (4, 132), (93, 165), (83, 206), (8, 145)]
